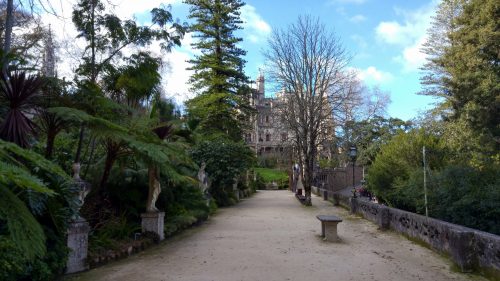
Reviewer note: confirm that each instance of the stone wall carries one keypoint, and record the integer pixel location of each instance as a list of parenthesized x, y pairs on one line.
[(470, 249)]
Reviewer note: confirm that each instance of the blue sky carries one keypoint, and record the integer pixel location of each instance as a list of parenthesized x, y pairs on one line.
[(383, 38)]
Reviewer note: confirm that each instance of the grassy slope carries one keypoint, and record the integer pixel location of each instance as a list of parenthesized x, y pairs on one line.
[(270, 175)]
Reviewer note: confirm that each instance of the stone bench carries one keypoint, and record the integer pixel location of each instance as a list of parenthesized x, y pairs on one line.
[(329, 227)]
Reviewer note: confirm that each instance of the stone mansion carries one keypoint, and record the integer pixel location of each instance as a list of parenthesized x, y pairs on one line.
[(267, 135)]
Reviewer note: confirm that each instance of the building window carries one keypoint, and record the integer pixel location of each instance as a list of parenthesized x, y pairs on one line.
[(284, 137), (268, 137), (267, 118)]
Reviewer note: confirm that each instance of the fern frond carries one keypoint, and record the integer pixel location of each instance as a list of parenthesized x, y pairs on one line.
[(24, 229), (98, 125), (31, 159), (16, 176)]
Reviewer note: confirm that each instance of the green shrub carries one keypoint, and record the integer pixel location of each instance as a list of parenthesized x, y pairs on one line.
[(460, 194), (12, 261), (109, 234), (467, 196), (225, 161), (397, 162), (170, 229)]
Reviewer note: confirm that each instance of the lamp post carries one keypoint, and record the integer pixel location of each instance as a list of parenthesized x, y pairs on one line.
[(352, 153)]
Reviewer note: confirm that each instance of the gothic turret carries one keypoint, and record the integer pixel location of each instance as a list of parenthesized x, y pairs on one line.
[(260, 85)]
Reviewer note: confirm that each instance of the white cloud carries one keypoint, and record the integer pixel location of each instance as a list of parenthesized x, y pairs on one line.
[(357, 18), (409, 34), (175, 81), (255, 28), (372, 75), (412, 57), (127, 8), (394, 33)]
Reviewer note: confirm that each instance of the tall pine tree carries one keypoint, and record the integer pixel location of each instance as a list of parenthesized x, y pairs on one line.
[(438, 40), (221, 106), (473, 61), (463, 67)]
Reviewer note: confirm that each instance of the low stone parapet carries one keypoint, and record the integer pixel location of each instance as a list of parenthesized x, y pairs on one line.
[(469, 248)]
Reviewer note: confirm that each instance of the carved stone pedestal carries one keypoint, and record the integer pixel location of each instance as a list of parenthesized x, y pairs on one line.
[(154, 222), (78, 233)]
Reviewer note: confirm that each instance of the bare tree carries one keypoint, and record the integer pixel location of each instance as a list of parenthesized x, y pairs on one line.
[(307, 62), (21, 13)]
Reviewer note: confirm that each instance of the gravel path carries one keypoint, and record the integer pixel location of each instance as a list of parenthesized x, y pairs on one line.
[(272, 237)]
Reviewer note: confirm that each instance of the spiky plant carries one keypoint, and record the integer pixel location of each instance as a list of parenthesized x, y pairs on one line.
[(18, 98)]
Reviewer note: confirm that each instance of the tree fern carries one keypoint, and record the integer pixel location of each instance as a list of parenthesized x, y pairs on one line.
[(23, 228), (14, 176), (10, 152)]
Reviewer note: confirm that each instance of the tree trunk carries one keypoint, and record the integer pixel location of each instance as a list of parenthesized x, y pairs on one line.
[(9, 23), (111, 156), (51, 136)]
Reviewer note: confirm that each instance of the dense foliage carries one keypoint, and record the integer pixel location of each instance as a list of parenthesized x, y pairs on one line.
[(220, 111), (225, 161), (461, 135), (113, 123)]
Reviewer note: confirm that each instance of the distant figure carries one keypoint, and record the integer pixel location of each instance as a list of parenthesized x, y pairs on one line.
[(295, 177)]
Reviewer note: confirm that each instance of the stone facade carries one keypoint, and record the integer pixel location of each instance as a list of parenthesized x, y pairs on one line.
[(267, 136)]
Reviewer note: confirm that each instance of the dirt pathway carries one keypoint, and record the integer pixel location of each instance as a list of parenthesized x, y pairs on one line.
[(272, 237)]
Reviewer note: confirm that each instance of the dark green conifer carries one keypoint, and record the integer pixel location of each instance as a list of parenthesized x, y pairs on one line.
[(221, 105)]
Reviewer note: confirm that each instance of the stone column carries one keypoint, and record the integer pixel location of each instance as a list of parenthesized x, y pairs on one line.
[(78, 233), (384, 218), (462, 249), (154, 222), (353, 202)]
